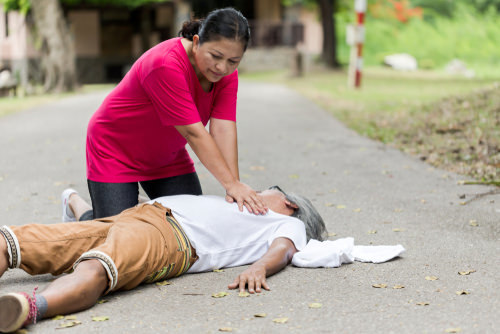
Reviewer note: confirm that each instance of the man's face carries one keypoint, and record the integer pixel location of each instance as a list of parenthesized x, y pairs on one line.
[(277, 202), (216, 59)]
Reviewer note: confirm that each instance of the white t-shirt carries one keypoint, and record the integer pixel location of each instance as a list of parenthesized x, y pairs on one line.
[(223, 236)]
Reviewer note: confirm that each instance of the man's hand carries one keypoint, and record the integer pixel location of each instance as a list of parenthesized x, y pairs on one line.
[(254, 278)]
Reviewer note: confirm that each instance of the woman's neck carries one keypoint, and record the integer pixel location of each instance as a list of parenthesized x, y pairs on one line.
[(188, 46)]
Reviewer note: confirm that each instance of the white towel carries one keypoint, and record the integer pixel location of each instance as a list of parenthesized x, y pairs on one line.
[(333, 253)]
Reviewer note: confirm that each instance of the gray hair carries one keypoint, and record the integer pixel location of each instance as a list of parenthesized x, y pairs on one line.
[(307, 213)]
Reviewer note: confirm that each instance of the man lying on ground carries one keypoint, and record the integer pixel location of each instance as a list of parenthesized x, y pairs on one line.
[(153, 241)]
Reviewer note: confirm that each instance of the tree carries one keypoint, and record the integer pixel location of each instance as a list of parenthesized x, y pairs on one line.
[(57, 46), (327, 10)]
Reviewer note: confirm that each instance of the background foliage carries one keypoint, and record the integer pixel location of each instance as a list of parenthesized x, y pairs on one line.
[(448, 29)]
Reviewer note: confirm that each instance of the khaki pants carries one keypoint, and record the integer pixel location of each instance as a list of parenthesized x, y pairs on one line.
[(142, 244)]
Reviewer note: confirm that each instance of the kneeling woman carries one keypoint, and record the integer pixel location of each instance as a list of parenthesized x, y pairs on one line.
[(139, 133)]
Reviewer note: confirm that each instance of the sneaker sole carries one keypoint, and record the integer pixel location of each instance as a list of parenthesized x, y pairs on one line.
[(14, 310)]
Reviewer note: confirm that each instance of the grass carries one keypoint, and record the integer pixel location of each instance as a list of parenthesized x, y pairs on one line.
[(9, 105), (451, 122)]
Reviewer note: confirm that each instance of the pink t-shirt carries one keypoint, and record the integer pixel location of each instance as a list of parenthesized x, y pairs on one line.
[(131, 137)]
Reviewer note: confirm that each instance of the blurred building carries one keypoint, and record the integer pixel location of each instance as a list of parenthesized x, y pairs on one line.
[(109, 39)]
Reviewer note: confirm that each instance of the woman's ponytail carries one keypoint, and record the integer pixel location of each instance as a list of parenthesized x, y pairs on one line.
[(190, 28)]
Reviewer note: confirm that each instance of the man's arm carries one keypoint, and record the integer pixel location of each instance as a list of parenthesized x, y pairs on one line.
[(277, 257)]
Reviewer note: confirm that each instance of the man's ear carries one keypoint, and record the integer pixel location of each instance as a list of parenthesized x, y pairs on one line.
[(291, 205)]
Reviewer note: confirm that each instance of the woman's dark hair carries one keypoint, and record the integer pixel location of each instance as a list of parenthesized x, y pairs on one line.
[(220, 23)]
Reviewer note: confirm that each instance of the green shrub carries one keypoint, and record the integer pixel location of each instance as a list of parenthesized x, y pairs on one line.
[(470, 35)]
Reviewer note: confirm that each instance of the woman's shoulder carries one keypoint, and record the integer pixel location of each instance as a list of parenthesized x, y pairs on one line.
[(166, 55)]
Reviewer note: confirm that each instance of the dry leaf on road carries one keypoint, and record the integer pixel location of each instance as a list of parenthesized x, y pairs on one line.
[(422, 303), (431, 278), (243, 294), (163, 283), (260, 315), (473, 222), (379, 286), (280, 320), (220, 294), (225, 329), (101, 318), (467, 272), (69, 324), (315, 305)]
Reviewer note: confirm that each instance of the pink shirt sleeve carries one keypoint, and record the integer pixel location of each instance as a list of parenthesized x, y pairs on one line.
[(225, 99), (169, 93)]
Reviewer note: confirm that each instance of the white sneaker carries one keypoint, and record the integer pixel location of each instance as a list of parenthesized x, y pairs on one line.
[(67, 214)]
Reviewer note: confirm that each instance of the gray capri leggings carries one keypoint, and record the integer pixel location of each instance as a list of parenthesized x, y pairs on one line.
[(109, 199)]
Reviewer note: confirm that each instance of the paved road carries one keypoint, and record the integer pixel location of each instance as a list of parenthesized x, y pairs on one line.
[(286, 140)]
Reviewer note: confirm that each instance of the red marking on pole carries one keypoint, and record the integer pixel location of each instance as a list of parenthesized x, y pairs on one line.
[(361, 17), (357, 80)]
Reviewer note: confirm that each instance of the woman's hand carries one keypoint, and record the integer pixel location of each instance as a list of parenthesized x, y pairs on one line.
[(244, 195), (254, 278)]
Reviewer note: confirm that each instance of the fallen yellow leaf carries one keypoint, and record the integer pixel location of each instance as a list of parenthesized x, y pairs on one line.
[(372, 232), (293, 176), (473, 222), (58, 317), (462, 203), (220, 294), (260, 315), (398, 229), (357, 210), (69, 324), (218, 270), (340, 206), (462, 292), (225, 329), (332, 234), (70, 317), (280, 320), (102, 301), (163, 283), (379, 286), (431, 278), (422, 303), (398, 287), (315, 305), (329, 204), (453, 330), (243, 294), (102, 318), (468, 272)]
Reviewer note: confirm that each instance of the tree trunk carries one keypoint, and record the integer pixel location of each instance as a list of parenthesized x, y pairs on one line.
[(329, 53), (57, 51)]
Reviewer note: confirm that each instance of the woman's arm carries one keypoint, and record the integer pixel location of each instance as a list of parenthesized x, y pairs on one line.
[(225, 136), (209, 154), (277, 257)]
